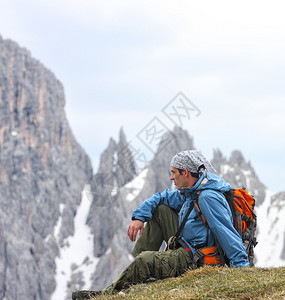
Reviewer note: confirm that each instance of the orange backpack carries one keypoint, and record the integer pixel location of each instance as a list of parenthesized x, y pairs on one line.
[(242, 208)]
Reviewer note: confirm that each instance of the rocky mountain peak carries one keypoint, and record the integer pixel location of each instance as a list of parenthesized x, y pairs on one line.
[(107, 157), (171, 143), (240, 174), (237, 159), (218, 160), (117, 168), (117, 162), (122, 137), (42, 173), (278, 200), (126, 166)]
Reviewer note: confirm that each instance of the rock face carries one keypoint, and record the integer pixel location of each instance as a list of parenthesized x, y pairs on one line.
[(277, 210), (270, 251), (239, 173), (42, 168), (117, 167)]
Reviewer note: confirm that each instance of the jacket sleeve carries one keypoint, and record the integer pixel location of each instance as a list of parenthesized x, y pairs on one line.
[(216, 211), (171, 198)]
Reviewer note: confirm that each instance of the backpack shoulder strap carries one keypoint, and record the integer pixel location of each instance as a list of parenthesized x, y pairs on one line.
[(220, 250), (182, 224)]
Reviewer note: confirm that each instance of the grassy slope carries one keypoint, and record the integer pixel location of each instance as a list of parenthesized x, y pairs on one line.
[(213, 283)]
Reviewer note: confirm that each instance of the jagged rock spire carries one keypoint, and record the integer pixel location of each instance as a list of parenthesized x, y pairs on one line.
[(117, 168), (218, 160), (43, 171), (240, 174)]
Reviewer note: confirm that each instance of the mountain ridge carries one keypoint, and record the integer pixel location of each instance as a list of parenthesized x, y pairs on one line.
[(42, 173)]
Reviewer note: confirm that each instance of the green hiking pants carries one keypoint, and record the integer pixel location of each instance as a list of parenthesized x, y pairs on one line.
[(149, 262)]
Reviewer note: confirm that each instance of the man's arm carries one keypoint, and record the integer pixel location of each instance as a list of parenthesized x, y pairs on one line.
[(171, 198), (145, 211)]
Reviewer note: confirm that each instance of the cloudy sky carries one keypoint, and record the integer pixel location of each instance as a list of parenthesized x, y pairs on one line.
[(123, 63)]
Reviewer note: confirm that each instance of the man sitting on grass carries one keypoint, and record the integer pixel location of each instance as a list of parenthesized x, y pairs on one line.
[(163, 213)]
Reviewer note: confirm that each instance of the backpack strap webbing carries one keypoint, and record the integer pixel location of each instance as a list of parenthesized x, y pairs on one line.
[(239, 228), (177, 238), (182, 224), (220, 250)]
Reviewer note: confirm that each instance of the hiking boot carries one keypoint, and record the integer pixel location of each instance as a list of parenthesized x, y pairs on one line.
[(85, 295)]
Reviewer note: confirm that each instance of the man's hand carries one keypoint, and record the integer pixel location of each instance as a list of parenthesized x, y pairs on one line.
[(134, 227)]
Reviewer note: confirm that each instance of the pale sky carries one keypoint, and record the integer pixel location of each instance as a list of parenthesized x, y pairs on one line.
[(123, 62)]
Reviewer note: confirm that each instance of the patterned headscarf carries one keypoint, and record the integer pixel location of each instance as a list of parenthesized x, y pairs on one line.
[(192, 160)]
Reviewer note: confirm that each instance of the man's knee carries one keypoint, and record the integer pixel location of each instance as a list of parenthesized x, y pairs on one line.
[(166, 216), (163, 208), (145, 257), (160, 264), (143, 265), (165, 211)]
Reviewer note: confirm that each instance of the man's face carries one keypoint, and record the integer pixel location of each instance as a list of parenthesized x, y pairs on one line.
[(182, 180), (178, 178)]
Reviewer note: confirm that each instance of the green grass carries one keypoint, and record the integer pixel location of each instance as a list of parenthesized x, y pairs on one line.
[(213, 283)]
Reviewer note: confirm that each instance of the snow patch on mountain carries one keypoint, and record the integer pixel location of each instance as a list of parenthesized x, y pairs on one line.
[(135, 186), (59, 222), (76, 256), (226, 168), (271, 231)]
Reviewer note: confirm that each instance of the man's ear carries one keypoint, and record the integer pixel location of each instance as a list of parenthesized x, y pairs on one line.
[(186, 172)]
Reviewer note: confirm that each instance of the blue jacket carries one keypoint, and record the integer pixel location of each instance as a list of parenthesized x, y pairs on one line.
[(215, 210)]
